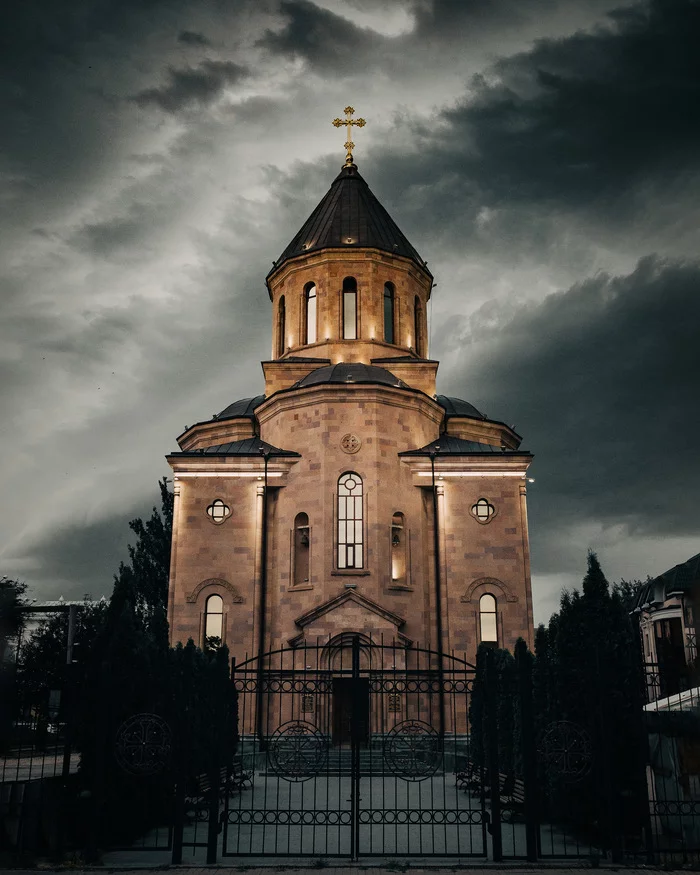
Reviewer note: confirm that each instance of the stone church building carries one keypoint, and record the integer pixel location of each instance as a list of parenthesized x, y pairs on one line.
[(350, 497)]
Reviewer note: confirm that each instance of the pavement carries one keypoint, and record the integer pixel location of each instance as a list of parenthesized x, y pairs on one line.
[(357, 869)]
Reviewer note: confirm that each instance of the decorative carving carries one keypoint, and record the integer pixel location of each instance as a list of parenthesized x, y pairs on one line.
[(297, 750), (350, 443), (235, 596), (490, 583), (412, 750), (566, 749), (143, 745), (395, 702)]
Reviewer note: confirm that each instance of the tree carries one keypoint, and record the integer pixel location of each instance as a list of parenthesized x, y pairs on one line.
[(43, 655), (11, 612), (592, 671), (148, 573), (11, 624), (628, 590), (127, 664), (129, 672)]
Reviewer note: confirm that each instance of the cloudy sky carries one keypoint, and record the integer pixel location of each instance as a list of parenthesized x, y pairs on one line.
[(542, 155)]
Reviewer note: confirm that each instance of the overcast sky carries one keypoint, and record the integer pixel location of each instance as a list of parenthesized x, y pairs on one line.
[(542, 155)]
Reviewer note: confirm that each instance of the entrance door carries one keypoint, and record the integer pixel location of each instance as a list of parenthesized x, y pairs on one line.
[(350, 699)]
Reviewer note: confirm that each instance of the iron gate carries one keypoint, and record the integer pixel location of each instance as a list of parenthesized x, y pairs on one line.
[(352, 749)]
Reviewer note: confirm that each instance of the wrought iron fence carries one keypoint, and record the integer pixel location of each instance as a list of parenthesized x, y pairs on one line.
[(672, 725), (36, 765), (363, 749)]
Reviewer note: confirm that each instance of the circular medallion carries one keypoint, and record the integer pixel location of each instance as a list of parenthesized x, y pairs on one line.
[(412, 750), (565, 748), (350, 443), (143, 744), (297, 750)]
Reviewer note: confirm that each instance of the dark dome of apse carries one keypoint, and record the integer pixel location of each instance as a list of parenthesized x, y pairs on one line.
[(244, 407), (349, 217), (457, 407), (351, 372)]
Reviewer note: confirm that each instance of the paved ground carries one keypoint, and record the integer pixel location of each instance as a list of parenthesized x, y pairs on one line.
[(422, 869), (310, 820)]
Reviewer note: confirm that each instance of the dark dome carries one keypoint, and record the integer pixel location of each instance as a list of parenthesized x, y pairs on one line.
[(350, 373), (244, 407), (348, 217), (457, 407)]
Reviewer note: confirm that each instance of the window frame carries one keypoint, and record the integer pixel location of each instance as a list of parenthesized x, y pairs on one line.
[(399, 551), (281, 326), (310, 318), (483, 614), (344, 547), (217, 503), (209, 613), (391, 321), (492, 516), (349, 293), (418, 325), (301, 526)]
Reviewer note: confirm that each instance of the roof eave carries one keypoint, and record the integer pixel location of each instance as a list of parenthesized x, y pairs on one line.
[(278, 265)]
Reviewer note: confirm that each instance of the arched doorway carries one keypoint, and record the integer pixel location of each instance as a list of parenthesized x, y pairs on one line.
[(348, 658)]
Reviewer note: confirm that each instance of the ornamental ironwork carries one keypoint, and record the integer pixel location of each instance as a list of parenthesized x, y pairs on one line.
[(566, 749), (143, 745), (297, 750), (412, 750)]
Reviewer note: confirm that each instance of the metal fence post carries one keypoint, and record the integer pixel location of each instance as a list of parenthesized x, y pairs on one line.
[(527, 736), (492, 693), (180, 777)]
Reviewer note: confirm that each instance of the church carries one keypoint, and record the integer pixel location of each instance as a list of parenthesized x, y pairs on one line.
[(350, 498)]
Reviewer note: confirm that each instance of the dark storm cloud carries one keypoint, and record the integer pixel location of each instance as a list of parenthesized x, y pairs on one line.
[(334, 45), (602, 380), (192, 38), (81, 558), (103, 238), (592, 114), (600, 123), (442, 17), (329, 43), (199, 85)]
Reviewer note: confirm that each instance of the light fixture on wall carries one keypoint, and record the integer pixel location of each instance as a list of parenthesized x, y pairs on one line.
[(304, 539)]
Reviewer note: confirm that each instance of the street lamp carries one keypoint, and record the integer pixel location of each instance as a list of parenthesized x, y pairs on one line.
[(438, 590)]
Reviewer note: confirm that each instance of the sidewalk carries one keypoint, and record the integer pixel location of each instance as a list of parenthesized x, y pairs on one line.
[(357, 869)]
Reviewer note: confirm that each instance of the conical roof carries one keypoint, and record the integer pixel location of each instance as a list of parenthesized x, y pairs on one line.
[(349, 217)]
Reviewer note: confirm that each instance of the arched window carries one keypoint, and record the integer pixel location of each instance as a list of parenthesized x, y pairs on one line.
[(213, 622), (418, 325), (389, 312), (398, 549), (488, 620), (301, 549), (350, 308), (350, 539), (310, 305), (281, 327)]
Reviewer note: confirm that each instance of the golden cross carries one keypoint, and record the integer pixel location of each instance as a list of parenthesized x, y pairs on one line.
[(349, 122)]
